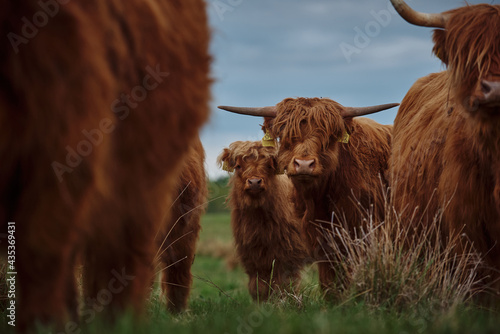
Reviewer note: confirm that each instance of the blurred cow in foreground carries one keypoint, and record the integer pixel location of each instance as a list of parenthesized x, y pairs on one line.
[(98, 107), (337, 164), (446, 148), (265, 228)]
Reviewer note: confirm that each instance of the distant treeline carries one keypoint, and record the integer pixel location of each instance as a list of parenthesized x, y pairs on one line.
[(217, 193)]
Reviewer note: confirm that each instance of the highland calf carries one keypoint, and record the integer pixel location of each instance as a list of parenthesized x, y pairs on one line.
[(446, 148), (98, 108), (265, 228), (337, 164)]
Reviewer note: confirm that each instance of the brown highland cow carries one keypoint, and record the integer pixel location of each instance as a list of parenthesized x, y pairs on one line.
[(98, 107), (446, 148), (265, 228), (337, 164)]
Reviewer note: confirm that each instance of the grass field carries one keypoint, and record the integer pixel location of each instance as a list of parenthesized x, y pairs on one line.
[(220, 303)]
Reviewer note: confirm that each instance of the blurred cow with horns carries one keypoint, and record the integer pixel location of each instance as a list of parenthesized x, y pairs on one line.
[(98, 111), (337, 164), (446, 146)]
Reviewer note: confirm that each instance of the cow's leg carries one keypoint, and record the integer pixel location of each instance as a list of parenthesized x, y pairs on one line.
[(259, 288), (41, 278), (119, 258), (45, 245), (319, 242), (117, 279), (72, 292), (326, 276), (254, 287), (177, 256), (289, 281), (176, 278)]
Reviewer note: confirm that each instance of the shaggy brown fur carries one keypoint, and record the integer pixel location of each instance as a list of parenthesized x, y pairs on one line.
[(446, 151), (265, 228), (348, 178), (81, 72), (180, 233)]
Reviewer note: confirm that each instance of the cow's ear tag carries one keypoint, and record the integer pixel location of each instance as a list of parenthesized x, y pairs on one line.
[(268, 140), (345, 138), (225, 166)]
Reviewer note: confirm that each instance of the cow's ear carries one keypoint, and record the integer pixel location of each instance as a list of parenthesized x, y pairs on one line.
[(225, 160), (439, 49), (349, 125), (276, 166), (268, 124)]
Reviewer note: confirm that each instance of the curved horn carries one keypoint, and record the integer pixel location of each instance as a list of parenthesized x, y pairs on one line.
[(418, 18), (262, 112), (354, 112)]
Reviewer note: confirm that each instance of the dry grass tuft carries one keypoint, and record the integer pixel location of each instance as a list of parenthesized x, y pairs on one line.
[(387, 265)]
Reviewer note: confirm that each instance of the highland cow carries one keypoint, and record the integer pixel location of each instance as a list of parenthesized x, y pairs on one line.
[(446, 147), (337, 164), (266, 230), (98, 108)]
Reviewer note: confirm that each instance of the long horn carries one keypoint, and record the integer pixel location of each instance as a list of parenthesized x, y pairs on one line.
[(262, 112), (418, 18), (354, 112)]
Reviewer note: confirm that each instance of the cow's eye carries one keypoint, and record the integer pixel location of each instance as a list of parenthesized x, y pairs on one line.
[(237, 167)]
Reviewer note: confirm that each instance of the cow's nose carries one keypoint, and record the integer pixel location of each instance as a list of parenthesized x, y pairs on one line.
[(491, 91), (254, 183), (304, 166)]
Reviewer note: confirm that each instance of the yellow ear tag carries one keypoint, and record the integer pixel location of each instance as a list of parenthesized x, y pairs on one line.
[(267, 140), (226, 167), (345, 138)]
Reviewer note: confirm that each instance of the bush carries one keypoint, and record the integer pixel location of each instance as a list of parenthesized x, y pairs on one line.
[(217, 194)]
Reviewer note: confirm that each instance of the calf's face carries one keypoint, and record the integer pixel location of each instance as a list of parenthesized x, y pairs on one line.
[(254, 168)]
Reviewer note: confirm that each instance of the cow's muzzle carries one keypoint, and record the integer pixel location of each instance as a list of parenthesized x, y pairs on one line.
[(304, 167), (254, 185), (491, 93)]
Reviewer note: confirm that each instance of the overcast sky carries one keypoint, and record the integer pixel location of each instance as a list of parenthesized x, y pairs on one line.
[(357, 52)]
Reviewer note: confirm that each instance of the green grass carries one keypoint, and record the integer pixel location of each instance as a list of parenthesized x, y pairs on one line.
[(220, 303), (210, 273), (216, 226)]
